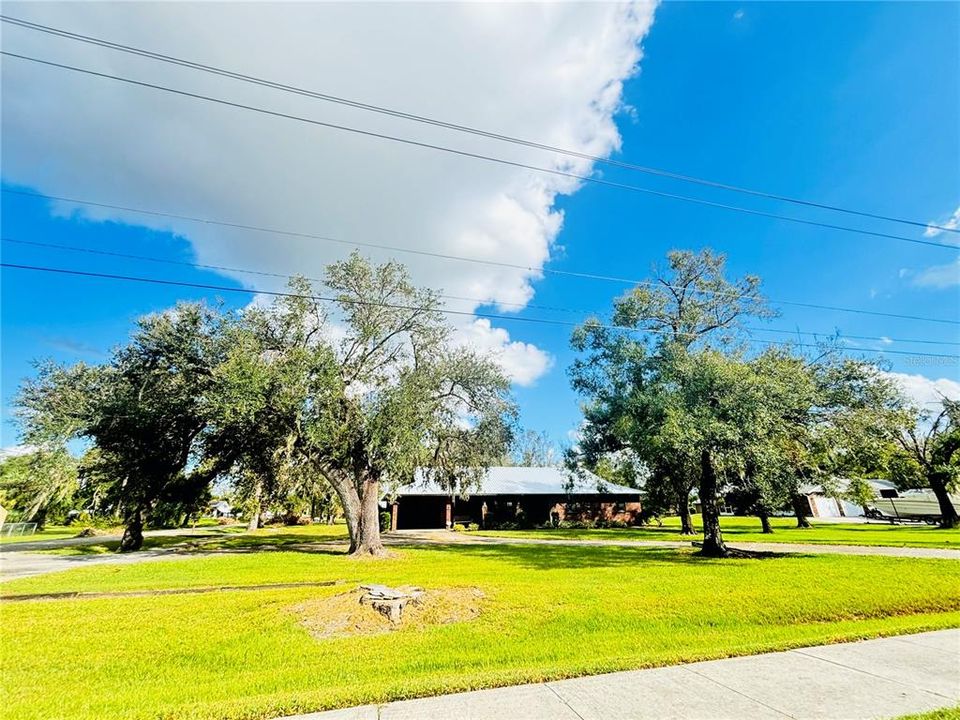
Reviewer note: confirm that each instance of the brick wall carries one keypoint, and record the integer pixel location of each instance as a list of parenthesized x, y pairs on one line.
[(627, 512)]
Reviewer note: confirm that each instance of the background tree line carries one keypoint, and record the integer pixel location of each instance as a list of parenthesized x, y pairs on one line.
[(331, 404)]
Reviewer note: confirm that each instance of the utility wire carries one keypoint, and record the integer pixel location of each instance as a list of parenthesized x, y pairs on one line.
[(443, 256), (476, 156), (479, 301), (398, 306), (326, 97)]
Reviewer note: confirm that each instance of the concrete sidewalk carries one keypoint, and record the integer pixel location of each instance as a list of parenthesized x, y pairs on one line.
[(883, 678)]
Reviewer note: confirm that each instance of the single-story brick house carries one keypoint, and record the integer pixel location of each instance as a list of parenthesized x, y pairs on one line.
[(507, 494)]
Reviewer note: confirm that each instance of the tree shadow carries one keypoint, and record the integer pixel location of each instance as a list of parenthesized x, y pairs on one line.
[(554, 557)]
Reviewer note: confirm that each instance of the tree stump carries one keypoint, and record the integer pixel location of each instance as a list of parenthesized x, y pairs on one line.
[(389, 602)]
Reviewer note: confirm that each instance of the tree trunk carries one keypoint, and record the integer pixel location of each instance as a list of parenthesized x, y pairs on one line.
[(40, 518), (133, 534), (683, 509), (256, 509), (367, 538), (360, 512), (254, 517), (800, 507), (713, 545), (765, 522), (350, 500), (948, 513)]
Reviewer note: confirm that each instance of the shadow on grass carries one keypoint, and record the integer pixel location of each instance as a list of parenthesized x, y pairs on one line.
[(554, 557), (155, 542), (526, 556), (280, 541)]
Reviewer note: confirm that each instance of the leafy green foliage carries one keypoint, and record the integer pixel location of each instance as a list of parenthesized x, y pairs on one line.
[(401, 396), (698, 411), (859, 492), (302, 412), (143, 410), (929, 454), (39, 485), (678, 396)]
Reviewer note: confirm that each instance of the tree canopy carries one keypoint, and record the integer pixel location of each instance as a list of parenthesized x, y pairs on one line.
[(282, 398), (672, 381)]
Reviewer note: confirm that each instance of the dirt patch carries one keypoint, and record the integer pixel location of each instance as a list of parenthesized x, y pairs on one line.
[(344, 616), (91, 532)]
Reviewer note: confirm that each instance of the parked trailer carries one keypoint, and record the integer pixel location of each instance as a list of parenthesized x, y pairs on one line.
[(914, 509)]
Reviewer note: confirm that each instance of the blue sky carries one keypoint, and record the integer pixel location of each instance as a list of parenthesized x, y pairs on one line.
[(856, 105)]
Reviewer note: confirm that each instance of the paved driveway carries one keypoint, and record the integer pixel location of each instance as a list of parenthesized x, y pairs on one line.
[(25, 564), (19, 560)]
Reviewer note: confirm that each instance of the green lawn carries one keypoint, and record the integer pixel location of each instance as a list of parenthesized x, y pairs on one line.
[(223, 537), (549, 612), (943, 714), (747, 529), (50, 532)]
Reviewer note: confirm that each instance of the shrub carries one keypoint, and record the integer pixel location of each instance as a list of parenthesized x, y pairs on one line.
[(473, 527), (100, 522), (459, 527), (385, 521), (576, 524), (610, 524)]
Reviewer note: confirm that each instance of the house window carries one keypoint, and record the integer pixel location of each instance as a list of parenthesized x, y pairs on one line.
[(620, 507)]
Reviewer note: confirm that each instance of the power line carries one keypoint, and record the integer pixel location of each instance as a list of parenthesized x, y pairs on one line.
[(264, 273), (444, 256), (288, 276), (478, 156), (326, 97), (397, 306)]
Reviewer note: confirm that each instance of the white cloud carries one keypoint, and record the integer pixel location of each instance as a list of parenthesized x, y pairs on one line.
[(951, 223), (738, 15), (939, 276), (885, 340), (16, 451), (522, 362), (548, 72), (925, 392)]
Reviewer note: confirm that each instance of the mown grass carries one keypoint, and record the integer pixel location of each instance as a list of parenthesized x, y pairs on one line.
[(227, 537), (550, 612), (50, 532), (747, 529), (942, 714)]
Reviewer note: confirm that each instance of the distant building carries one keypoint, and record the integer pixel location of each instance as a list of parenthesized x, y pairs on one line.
[(536, 495), (823, 505), (221, 509)]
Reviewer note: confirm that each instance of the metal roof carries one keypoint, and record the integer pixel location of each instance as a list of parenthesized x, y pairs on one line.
[(877, 484), (526, 481)]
